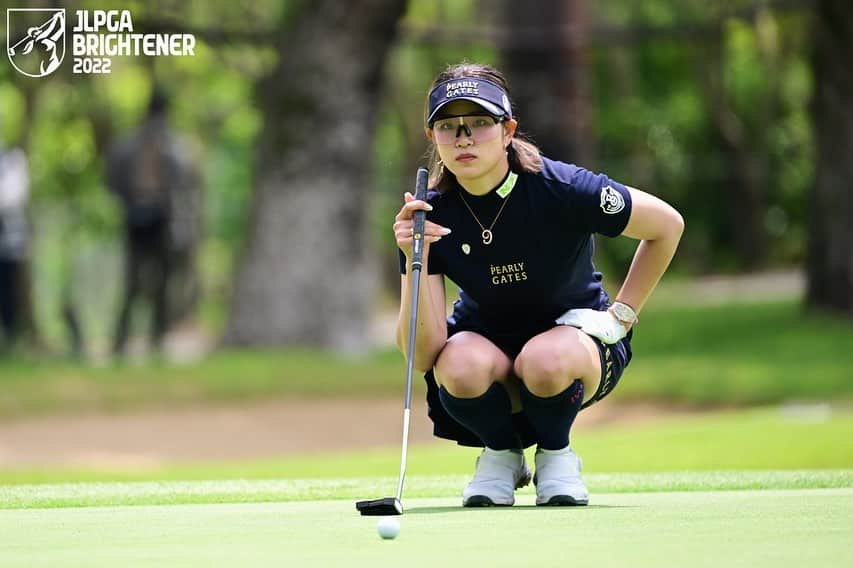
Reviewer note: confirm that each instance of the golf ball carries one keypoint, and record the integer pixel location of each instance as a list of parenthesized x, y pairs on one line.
[(388, 527)]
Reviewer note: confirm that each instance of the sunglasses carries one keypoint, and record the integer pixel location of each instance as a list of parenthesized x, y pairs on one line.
[(480, 128)]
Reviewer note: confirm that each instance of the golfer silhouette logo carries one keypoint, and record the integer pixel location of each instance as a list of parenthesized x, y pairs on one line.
[(38, 51)]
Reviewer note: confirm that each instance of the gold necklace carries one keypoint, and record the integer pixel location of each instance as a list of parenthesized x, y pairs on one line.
[(504, 190)]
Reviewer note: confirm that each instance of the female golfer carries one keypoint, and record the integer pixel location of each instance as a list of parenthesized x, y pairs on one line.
[(533, 337)]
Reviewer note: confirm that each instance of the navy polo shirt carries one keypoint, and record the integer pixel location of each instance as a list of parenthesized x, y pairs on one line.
[(539, 263)]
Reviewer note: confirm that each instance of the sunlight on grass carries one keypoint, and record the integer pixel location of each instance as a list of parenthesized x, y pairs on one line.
[(773, 438), (101, 494), (744, 354)]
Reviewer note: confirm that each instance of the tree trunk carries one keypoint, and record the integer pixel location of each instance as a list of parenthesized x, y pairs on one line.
[(743, 175), (830, 256), (306, 276), (546, 63)]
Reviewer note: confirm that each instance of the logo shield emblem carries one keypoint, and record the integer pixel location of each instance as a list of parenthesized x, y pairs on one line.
[(35, 40)]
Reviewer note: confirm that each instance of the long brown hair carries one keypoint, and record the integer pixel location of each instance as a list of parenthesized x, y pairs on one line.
[(523, 154)]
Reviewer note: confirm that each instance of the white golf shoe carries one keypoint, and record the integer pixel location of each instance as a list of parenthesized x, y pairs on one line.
[(499, 473), (558, 478)]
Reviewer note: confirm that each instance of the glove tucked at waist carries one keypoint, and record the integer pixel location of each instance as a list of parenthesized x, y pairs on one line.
[(601, 325)]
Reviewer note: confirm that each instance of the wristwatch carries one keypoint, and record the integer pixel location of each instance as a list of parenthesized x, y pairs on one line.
[(624, 313)]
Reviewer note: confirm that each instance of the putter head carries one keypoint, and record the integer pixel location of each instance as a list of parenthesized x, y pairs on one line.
[(383, 507)]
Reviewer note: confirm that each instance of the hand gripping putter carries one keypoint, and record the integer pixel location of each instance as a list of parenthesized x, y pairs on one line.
[(392, 505)]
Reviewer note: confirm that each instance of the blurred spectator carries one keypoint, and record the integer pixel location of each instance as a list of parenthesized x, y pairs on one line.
[(14, 243), (157, 186)]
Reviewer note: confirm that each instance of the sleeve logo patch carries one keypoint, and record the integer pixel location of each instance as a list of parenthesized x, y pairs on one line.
[(612, 201)]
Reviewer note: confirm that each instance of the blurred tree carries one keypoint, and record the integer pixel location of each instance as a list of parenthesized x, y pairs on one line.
[(401, 143), (704, 105), (650, 97), (743, 178), (546, 62), (306, 274), (830, 261)]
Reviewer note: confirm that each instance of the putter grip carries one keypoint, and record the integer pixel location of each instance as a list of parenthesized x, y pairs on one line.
[(420, 220)]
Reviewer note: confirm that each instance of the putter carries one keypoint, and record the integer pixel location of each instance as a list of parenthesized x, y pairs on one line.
[(393, 505)]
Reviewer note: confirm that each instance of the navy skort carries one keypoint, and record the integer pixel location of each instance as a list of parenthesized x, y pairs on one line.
[(614, 359)]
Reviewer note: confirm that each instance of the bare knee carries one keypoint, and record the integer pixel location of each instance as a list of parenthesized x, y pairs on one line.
[(547, 371), (464, 373)]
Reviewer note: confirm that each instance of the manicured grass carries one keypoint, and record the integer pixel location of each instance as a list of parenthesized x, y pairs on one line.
[(744, 354), (740, 528), (773, 438), (762, 487), (102, 494), (33, 387), (706, 355)]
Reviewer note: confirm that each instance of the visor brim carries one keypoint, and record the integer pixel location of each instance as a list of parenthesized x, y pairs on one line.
[(489, 107)]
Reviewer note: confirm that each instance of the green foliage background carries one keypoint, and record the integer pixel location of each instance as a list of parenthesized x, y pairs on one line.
[(653, 130)]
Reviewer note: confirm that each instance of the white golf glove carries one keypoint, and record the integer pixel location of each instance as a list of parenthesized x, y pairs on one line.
[(602, 325)]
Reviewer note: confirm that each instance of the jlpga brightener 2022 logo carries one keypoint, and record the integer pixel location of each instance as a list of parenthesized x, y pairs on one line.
[(35, 40)]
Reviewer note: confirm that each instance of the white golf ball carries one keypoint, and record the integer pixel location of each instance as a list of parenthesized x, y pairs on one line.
[(388, 527)]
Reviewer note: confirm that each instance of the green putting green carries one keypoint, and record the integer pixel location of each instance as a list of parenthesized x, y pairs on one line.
[(729, 528), (105, 494), (764, 487)]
